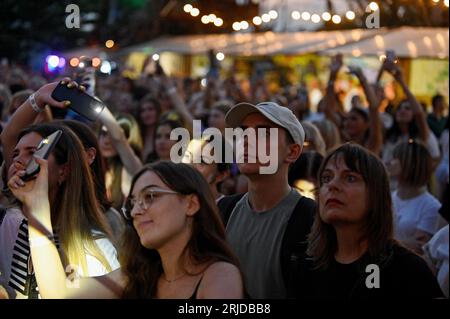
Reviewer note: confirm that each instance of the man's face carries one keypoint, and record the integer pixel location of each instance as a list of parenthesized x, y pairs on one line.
[(250, 162)]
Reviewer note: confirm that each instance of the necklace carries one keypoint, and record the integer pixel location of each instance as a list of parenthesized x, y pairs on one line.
[(172, 280)]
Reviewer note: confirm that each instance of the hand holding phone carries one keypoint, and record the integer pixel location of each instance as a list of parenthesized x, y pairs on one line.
[(84, 104), (42, 151), (390, 56), (391, 65)]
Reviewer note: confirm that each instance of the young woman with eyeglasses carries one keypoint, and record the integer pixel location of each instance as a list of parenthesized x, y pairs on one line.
[(174, 245)]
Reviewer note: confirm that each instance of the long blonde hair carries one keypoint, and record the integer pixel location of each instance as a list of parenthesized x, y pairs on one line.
[(75, 212)]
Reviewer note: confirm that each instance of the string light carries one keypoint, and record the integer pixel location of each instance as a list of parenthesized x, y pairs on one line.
[(273, 14), (205, 19), (265, 17), (315, 18), (109, 44), (326, 16), (350, 15), (195, 12), (306, 15), (373, 6), (187, 8), (446, 3), (257, 20), (336, 19)]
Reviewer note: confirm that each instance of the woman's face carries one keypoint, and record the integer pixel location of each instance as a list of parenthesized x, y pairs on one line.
[(163, 143), (393, 167), (165, 103), (404, 114), (23, 154), (216, 119), (148, 114), (165, 219), (342, 195), (355, 124), (105, 144)]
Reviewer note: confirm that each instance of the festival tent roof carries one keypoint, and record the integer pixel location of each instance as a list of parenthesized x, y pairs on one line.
[(254, 44), (407, 42)]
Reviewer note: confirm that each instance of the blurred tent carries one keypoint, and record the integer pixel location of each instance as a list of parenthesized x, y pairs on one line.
[(254, 44), (408, 42)]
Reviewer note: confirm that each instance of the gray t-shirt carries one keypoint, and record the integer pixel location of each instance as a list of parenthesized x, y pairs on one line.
[(256, 240)]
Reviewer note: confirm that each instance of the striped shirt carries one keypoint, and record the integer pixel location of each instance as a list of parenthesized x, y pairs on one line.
[(16, 269)]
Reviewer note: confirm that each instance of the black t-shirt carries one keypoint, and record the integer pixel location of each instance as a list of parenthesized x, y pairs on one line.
[(401, 275)]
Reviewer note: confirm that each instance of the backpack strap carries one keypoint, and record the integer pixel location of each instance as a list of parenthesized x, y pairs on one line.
[(295, 243), (2, 214), (226, 206)]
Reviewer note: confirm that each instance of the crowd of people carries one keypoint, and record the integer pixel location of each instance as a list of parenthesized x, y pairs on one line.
[(357, 207)]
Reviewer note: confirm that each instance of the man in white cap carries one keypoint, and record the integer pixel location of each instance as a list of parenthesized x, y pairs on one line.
[(267, 226)]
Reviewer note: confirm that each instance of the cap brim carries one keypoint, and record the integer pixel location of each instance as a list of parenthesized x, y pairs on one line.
[(237, 114)]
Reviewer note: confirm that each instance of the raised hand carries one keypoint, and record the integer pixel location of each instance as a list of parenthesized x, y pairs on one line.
[(43, 96), (336, 63)]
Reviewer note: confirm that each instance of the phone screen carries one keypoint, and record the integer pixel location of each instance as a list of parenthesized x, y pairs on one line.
[(87, 106)]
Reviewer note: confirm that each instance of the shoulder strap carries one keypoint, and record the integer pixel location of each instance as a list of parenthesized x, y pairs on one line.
[(226, 206), (2, 214), (295, 242)]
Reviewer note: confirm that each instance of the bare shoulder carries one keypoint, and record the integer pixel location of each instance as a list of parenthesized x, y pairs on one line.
[(221, 268), (221, 280)]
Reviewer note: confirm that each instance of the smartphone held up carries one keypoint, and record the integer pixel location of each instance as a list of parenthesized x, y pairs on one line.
[(82, 103)]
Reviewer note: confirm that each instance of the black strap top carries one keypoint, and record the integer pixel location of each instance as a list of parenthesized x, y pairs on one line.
[(194, 295)]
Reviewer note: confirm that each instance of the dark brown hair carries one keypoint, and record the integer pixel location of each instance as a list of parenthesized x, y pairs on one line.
[(207, 244), (415, 161), (378, 229)]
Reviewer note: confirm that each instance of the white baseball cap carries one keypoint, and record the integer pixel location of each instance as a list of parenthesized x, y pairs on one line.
[(275, 113)]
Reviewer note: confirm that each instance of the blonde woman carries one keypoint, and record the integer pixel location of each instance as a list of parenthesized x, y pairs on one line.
[(80, 229)]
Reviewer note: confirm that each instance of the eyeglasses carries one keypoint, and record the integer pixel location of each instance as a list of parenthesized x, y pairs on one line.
[(144, 200)]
